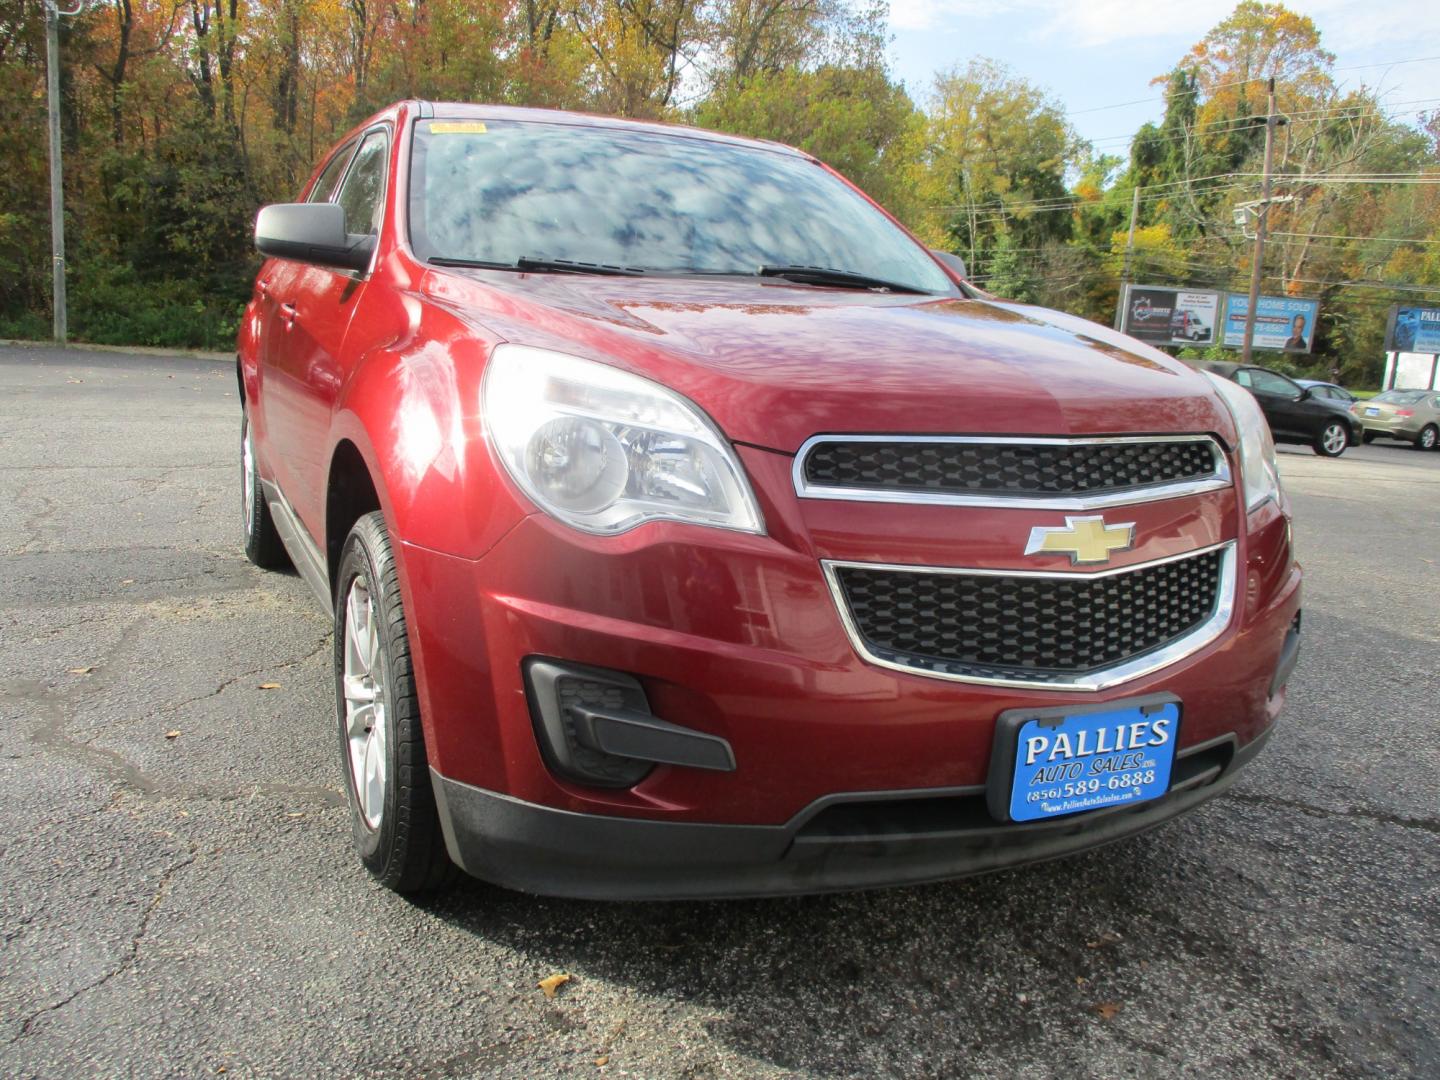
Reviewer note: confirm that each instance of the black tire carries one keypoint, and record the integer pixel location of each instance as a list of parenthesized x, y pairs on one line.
[(1333, 439), (405, 849), (1367, 437), (1429, 438), (262, 541)]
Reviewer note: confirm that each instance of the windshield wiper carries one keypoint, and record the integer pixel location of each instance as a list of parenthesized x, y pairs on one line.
[(527, 263), (824, 275)]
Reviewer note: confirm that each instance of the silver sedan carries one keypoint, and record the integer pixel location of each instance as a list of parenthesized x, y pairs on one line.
[(1411, 415)]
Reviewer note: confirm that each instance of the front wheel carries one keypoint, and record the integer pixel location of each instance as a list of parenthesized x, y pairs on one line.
[(1332, 440), (1429, 436), (387, 774)]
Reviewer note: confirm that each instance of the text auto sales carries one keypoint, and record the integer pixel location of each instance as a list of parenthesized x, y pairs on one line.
[(1122, 737)]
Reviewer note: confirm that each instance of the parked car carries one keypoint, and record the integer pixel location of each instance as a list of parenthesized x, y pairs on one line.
[(1327, 391), (1412, 416), (1296, 413), (689, 529)]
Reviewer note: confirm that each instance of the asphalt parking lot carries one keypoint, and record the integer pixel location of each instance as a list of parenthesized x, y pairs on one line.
[(178, 894)]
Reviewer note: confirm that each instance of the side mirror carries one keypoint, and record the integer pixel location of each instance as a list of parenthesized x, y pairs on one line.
[(1306, 393), (951, 260), (311, 233)]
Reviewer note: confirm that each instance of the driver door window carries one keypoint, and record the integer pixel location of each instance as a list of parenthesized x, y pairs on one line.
[(362, 195), (1267, 382), (325, 186)]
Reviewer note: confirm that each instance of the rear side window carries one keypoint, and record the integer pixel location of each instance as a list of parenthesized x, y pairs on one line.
[(325, 186), (1267, 382), (1400, 397), (363, 192)]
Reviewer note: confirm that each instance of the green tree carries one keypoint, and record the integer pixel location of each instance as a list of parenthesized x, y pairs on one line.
[(997, 154)]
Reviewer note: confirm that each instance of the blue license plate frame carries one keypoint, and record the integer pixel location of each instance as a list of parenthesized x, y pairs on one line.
[(1110, 754)]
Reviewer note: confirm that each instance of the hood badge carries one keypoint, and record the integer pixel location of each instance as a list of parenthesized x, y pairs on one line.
[(1084, 539)]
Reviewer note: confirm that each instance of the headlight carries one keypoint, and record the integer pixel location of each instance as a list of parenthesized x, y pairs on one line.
[(1259, 473), (604, 451)]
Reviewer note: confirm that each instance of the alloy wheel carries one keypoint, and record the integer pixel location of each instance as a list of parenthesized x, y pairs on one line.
[(247, 481), (1334, 439), (366, 725)]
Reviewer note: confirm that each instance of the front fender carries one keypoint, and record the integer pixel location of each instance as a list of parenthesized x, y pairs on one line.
[(412, 410), (247, 354)]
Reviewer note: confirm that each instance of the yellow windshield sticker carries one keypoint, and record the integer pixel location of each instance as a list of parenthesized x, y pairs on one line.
[(457, 127)]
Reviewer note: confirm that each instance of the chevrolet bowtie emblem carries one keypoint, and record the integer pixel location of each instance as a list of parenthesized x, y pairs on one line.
[(1084, 539)]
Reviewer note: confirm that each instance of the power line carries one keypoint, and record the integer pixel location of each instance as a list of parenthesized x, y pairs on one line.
[(1240, 123), (1241, 82), (1363, 239), (1062, 201), (989, 212)]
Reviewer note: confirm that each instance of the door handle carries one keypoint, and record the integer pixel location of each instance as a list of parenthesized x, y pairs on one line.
[(289, 315), (263, 288)]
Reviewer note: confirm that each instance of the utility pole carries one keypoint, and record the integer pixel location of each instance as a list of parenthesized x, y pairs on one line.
[(1261, 218), (57, 185), (1125, 268)]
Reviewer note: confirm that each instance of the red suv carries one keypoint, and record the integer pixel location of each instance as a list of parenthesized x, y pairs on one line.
[(691, 530)]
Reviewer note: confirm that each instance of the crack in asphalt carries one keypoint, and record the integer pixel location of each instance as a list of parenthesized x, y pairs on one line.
[(112, 468), (52, 732), (132, 951), (51, 735), (322, 645), (1354, 813)]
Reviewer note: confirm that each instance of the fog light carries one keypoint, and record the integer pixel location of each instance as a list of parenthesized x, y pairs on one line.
[(555, 692), (595, 727)]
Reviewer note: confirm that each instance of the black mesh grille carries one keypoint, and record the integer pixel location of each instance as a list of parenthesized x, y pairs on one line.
[(1015, 469), (572, 691), (1028, 628)]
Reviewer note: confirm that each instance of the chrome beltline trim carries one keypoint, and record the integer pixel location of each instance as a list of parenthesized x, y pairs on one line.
[(302, 550), (1093, 681), (1219, 481)]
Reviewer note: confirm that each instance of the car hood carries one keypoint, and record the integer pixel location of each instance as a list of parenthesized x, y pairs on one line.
[(774, 363)]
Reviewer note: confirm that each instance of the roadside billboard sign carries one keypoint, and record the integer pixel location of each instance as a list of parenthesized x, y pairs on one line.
[(1166, 316), (1413, 329), (1282, 323)]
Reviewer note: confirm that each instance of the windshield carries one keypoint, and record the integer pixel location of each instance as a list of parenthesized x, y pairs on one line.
[(1400, 397), (498, 192)]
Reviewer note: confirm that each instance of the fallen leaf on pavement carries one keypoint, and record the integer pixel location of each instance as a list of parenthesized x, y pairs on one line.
[(553, 983), (603, 1060), (269, 686), (172, 734), (1107, 1010), (1109, 937), (80, 670)]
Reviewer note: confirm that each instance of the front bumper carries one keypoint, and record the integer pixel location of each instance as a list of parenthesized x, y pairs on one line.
[(838, 843), (738, 637)]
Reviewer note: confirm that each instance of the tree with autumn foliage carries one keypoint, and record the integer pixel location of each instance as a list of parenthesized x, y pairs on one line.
[(180, 117)]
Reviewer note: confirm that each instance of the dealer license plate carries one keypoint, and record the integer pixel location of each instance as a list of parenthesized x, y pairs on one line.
[(1370, 410), (1088, 759)]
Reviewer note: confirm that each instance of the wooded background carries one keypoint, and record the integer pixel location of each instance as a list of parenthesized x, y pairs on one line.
[(181, 117)]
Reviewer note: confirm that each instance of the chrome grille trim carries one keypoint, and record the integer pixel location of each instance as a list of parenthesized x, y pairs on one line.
[(1145, 664), (1218, 481)]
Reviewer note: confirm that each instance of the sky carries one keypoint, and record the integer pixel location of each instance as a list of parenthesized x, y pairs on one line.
[(1093, 54)]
